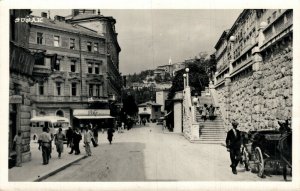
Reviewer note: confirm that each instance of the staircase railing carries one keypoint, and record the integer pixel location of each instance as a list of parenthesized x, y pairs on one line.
[(215, 101)]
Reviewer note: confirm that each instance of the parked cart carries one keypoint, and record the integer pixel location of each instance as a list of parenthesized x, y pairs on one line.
[(266, 147)]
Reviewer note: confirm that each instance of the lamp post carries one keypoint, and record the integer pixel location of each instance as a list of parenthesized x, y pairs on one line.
[(184, 79), (187, 76)]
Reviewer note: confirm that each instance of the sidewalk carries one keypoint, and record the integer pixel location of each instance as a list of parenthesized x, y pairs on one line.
[(34, 170)]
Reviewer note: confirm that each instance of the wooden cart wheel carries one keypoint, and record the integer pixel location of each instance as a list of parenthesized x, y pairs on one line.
[(260, 162)]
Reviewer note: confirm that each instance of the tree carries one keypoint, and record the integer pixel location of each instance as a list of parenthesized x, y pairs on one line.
[(158, 79), (129, 105), (198, 78)]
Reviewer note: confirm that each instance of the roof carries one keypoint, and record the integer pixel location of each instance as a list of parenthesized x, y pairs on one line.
[(62, 25), (222, 37), (149, 103), (90, 16), (52, 119)]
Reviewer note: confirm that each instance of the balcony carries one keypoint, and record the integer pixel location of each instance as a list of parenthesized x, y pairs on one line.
[(278, 26), (40, 70), (51, 98)]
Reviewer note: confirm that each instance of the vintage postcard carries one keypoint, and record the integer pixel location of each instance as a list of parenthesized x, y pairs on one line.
[(150, 96)]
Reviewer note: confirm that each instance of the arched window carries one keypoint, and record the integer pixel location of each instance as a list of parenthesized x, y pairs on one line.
[(60, 113)]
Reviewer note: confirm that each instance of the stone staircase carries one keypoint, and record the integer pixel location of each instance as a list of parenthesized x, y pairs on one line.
[(211, 131)]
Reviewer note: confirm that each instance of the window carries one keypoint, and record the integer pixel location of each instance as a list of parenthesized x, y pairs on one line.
[(60, 113), (58, 88), (97, 68), (40, 59), (57, 65), (73, 66), (56, 41), (91, 87), (72, 43), (74, 89), (89, 46), (41, 88), (98, 90), (90, 68), (95, 47), (39, 38)]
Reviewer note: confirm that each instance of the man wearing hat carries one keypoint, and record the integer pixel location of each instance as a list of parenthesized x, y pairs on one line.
[(233, 144)]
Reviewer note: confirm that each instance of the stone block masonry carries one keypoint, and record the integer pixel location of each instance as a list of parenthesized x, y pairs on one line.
[(259, 92)]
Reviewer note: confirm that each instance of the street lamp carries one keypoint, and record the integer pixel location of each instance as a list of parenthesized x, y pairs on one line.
[(184, 83), (187, 76)]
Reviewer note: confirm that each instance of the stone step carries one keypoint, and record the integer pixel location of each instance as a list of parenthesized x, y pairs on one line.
[(208, 126), (208, 142), (212, 132), (217, 137)]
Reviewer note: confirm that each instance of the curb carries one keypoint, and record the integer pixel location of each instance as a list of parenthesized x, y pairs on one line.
[(48, 174)]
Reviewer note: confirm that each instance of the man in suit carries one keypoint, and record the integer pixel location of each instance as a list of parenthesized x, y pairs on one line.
[(233, 144)]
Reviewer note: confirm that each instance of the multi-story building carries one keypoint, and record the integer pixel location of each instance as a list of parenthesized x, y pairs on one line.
[(20, 79), (254, 68), (80, 63)]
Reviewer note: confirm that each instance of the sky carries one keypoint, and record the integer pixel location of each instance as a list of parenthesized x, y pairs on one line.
[(149, 38)]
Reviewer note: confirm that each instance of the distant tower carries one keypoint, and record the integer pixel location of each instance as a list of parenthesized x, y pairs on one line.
[(170, 61)]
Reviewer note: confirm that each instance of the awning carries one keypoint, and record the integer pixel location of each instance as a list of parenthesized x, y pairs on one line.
[(93, 117)]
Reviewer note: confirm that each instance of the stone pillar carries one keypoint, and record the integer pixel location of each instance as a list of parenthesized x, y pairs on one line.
[(257, 98), (177, 117), (195, 131), (227, 95)]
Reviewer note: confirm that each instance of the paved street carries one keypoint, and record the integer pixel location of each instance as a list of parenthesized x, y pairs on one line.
[(148, 154)]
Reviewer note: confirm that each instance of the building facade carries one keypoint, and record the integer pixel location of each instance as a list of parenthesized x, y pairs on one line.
[(150, 111), (79, 63), (254, 69), (20, 80)]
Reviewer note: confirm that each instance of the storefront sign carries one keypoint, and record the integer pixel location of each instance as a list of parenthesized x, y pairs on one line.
[(15, 99), (91, 112)]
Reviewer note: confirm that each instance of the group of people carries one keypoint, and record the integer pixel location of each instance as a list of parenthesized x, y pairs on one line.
[(73, 136), (207, 112)]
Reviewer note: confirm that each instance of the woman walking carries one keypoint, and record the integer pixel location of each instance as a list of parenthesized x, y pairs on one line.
[(59, 142)]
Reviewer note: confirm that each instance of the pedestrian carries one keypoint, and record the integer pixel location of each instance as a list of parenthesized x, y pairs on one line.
[(119, 124), (204, 113), (233, 144), (45, 142), (87, 136), (110, 134), (18, 147), (69, 135), (59, 142), (211, 111), (144, 121), (52, 137), (76, 140), (95, 133)]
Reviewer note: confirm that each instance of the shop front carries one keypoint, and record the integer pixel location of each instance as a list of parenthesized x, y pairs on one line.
[(99, 117)]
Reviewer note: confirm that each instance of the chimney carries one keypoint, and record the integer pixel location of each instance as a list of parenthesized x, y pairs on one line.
[(59, 18), (44, 14)]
